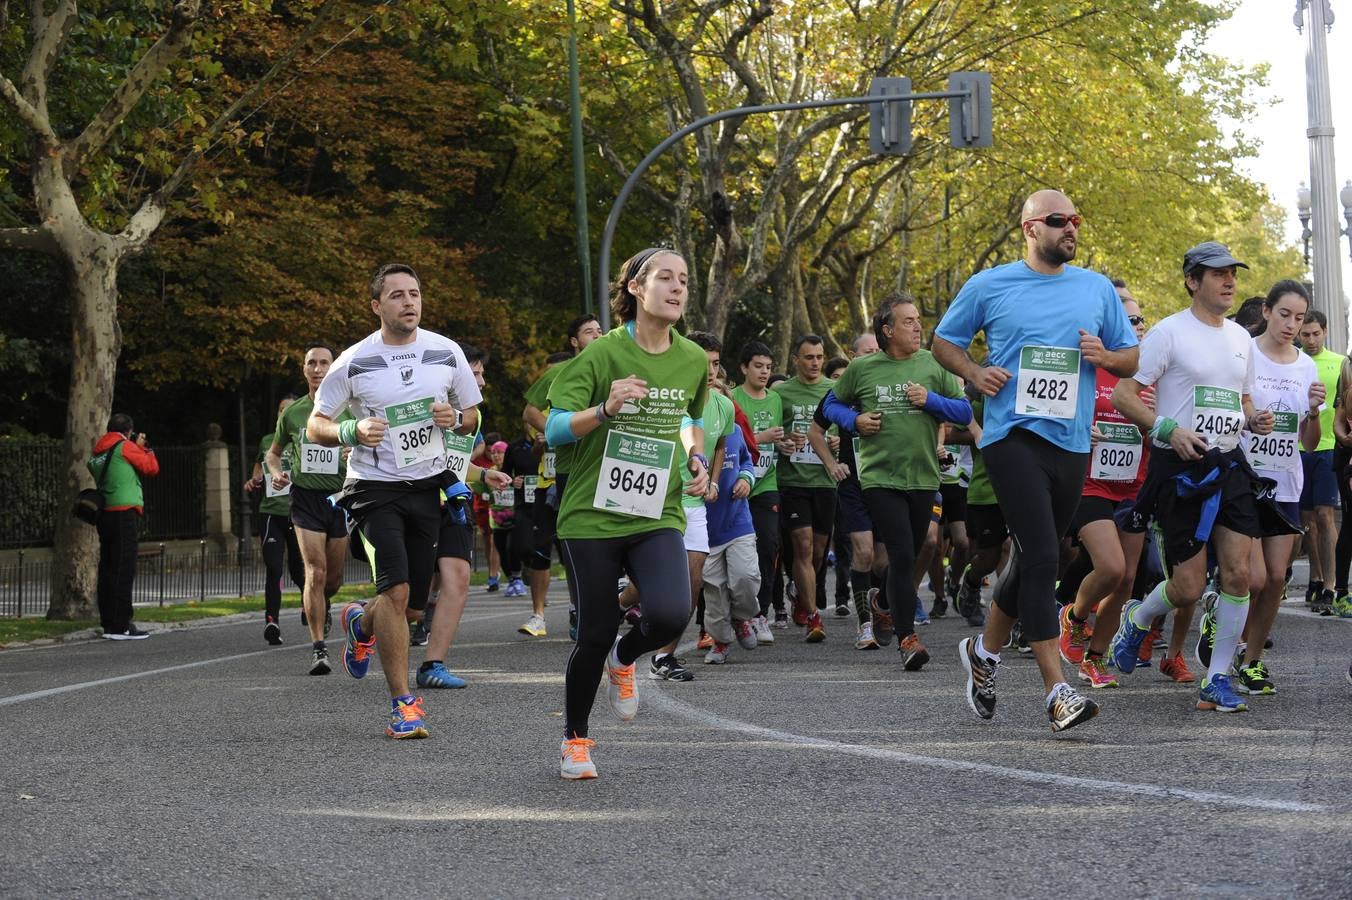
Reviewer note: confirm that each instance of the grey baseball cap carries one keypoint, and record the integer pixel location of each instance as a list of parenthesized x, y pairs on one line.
[(1212, 254)]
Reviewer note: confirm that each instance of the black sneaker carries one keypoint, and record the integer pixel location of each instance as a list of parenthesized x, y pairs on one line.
[(980, 679), (319, 661), (940, 607), (1312, 592), (417, 635), (669, 668), (130, 633), (1324, 603), (1254, 679), (1068, 708), (272, 633), (969, 604), (1021, 642), (842, 610)]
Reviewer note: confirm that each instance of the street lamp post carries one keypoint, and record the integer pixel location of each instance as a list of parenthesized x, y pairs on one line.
[(1323, 215)]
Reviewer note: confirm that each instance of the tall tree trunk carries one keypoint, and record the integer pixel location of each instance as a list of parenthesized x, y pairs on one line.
[(92, 259)]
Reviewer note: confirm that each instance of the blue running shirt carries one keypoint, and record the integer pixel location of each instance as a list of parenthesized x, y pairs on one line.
[(1018, 308)]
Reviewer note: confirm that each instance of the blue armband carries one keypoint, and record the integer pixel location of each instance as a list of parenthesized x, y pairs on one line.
[(837, 413), (559, 428), (948, 409), (687, 422)]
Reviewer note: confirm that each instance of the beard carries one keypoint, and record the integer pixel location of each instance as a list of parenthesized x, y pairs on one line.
[(1057, 254)]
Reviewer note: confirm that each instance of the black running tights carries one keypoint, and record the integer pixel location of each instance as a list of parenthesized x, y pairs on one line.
[(900, 521), (1038, 485), (656, 563)]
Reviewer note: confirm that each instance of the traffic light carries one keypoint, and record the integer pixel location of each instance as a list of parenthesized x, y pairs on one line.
[(889, 122), (969, 116)]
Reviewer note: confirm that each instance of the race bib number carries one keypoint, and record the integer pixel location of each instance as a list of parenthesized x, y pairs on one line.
[(317, 460), (270, 491), (505, 497), (765, 460), (458, 450), (547, 465), (528, 488), (805, 454), (635, 473), (1049, 382), (1276, 452), (1217, 415), (415, 437), (1117, 455)]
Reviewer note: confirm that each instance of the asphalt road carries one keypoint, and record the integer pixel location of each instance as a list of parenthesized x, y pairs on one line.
[(202, 763)]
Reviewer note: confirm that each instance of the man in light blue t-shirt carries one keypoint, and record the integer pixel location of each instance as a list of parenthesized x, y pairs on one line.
[(1048, 325)]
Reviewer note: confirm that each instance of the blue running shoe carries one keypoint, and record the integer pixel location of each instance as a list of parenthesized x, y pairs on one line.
[(921, 617), (1125, 649), (406, 718), (438, 676), (357, 653), (1217, 694)]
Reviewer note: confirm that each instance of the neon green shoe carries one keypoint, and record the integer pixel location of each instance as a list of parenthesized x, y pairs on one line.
[(1342, 607)]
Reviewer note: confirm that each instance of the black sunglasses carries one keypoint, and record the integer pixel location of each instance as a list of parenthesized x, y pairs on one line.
[(1136, 320)]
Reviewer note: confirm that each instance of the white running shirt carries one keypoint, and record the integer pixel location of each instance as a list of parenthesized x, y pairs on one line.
[(371, 376), (1282, 388), (1183, 357)]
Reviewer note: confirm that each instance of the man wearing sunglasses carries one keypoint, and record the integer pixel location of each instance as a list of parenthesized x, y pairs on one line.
[(1048, 326)]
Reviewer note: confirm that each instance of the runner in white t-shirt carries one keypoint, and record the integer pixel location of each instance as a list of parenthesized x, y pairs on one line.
[(403, 387), (1198, 485), (1286, 382)]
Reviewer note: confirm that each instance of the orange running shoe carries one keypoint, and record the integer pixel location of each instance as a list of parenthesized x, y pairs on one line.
[(1074, 637), (1176, 668), (575, 762), (815, 632)]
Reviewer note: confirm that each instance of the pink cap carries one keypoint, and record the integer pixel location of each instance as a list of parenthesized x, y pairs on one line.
[(500, 446)]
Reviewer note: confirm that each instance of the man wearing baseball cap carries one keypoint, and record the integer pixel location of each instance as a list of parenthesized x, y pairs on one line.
[(1199, 487)]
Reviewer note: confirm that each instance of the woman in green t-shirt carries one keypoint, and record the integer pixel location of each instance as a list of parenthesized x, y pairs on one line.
[(631, 403)]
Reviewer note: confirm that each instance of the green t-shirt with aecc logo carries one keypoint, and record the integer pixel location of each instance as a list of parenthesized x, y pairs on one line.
[(800, 402), (537, 395), (624, 477), (902, 455), (767, 412), (313, 467), (718, 423), (278, 504)]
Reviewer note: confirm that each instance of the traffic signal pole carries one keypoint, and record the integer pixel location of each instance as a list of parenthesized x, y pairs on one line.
[(890, 110)]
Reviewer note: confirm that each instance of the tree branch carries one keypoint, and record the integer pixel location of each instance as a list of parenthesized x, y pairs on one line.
[(152, 210), (28, 239), (48, 33), (30, 116), (139, 80)]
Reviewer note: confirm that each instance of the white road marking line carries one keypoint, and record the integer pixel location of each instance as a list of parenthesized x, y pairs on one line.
[(661, 700), (67, 688), (690, 713)]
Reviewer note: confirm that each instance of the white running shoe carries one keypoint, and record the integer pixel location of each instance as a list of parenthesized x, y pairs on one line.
[(575, 762), (866, 641), (534, 626), (762, 628), (622, 690)]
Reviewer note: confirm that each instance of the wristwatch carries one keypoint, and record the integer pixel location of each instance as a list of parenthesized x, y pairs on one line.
[(459, 418)]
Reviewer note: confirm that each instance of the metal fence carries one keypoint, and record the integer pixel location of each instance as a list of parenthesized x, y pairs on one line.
[(34, 473), (162, 577)]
